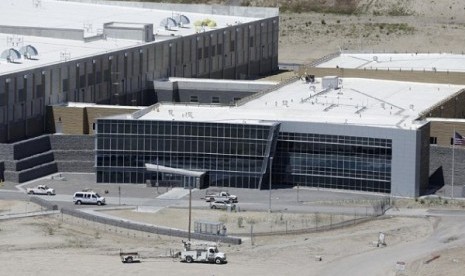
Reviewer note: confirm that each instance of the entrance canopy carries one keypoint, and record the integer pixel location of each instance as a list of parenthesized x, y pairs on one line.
[(163, 169)]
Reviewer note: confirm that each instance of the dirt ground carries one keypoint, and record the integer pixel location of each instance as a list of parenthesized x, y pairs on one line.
[(379, 25), (54, 245)]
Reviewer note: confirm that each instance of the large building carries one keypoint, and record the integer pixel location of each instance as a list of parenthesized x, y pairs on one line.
[(110, 52), (336, 133)]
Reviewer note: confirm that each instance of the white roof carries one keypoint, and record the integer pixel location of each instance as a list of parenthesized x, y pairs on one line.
[(367, 102), (160, 168), (89, 18), (392, 61)]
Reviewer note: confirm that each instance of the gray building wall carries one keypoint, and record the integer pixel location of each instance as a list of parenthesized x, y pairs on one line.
[(181, 90), (125, 76), (405, 170)]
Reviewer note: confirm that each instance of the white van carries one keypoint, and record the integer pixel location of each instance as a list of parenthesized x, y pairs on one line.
[(88, 198)]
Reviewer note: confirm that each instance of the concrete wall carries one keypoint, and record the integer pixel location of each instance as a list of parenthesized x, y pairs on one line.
[(47, 154), (181, 90), (61, 33), (452, 107), (30, 174), (399, 75), (80, 120), (73, 153), (441, 165)]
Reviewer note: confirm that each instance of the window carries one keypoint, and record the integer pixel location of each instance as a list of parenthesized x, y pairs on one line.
[(206, 52), (232, 46), (213, 50), (65, 85), (215, 99), (194, 99), (220, 49), (251, 42), (433, 140), (199, 53)]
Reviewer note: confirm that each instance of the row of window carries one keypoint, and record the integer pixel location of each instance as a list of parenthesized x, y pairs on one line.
[(338, 149), (213, 179), (215, 99), (186, 145), (189, 162), (336, 139), (240, 131)]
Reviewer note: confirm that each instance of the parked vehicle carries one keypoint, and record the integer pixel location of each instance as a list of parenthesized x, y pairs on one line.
[(212, 195), (129, 257), (88, 197), (40, 190), (202, 253), (219, 204)]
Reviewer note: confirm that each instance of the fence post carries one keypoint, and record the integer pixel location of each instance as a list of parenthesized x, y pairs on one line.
[(251, 234)]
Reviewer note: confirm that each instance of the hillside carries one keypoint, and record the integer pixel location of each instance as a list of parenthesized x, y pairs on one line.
[(310, 29), (376, 25)]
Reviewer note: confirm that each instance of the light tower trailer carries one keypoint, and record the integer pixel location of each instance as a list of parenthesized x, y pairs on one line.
[(129, 257), (202, 254)]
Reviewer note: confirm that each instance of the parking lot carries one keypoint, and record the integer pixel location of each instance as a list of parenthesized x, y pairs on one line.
[(278, 200)]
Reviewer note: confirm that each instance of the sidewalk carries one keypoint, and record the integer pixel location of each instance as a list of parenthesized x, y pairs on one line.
[(30, 214)]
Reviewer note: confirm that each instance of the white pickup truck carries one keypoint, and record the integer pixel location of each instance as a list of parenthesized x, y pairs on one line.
[(40, 190), (211, 196), (203, 254)]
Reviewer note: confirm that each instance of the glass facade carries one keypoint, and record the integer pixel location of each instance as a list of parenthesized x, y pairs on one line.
[(232, 155), (333, 161), (238, 155)]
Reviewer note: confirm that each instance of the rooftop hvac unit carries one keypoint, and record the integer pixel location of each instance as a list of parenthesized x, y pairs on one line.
[(168, 23), (29, 51), (181, 19), (330, 82)]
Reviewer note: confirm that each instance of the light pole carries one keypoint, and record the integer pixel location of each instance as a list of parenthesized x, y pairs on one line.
[(271, 173), (190, 211)]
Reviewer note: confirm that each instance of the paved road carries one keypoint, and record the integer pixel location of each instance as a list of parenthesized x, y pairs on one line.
[(282, 200)]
